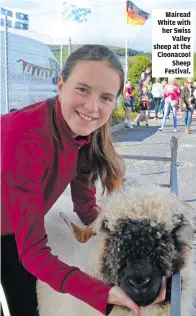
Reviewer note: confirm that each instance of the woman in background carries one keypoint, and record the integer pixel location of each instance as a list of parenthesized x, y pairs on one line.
[(171, 95), (188, 104)]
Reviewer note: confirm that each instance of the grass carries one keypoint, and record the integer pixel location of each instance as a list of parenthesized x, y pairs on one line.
[(118, 116)]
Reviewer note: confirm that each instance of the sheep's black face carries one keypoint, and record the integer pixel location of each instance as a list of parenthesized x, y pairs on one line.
[(137, 256)]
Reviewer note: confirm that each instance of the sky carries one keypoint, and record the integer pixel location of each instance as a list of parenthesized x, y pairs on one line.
[(106, 25)]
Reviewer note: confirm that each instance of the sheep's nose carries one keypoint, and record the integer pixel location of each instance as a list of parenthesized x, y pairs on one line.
[(137, 285)]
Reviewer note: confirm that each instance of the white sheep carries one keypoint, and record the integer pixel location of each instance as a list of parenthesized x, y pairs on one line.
[(143, 228)]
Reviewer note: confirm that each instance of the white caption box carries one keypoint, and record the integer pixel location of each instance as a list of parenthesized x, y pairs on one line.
[(172, 43)]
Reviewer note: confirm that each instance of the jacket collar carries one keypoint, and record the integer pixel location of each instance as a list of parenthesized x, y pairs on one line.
[(65, 131)]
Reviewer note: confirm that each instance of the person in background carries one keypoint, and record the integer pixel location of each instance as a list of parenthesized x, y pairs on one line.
[(182, 106), (128, 103), (147, 83), (194, 93), (157, 92), (161, 107), (142, 78), (171, 95), (188, 104), (144, 101)]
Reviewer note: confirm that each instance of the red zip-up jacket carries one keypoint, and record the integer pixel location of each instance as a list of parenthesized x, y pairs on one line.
[(34, 176)]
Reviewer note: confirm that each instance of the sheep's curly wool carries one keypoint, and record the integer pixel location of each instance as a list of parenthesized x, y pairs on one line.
[(134, 221)]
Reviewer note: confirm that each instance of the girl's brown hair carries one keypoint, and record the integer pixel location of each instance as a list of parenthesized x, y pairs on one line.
[(104, 162)]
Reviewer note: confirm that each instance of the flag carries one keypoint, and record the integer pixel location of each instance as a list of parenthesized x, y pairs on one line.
[(22, 17), (2, 22), (6, 12), (21, 26), (134, 15), (15, 19), (74, 13)]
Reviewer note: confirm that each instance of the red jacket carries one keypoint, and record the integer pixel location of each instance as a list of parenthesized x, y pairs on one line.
[(129, 91), (34, 176)]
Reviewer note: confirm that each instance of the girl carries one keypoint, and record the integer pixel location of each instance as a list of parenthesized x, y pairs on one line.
[(128, 102), (171, 95), (46, 146)]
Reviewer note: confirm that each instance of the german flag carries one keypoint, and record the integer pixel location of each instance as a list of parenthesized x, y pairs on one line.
[(134, 15)]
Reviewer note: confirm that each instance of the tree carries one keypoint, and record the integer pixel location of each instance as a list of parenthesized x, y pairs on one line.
[(140, 64), (58, 57), (181, 81)]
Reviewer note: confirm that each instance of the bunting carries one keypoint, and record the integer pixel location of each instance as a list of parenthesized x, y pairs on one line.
[(41, 72)]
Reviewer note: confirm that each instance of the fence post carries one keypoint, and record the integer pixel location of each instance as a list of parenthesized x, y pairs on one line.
[(176, 279), (174, 148)]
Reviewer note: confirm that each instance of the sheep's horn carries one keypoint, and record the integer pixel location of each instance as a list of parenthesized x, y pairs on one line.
[(81, 234)]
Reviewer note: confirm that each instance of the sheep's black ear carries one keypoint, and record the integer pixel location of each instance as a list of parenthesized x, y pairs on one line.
[(104, 226), (183, 231)]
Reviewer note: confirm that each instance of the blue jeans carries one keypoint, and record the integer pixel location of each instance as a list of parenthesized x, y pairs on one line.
[(161, 106), (167, 107), (132, 101), (130, 104), (188, 117)]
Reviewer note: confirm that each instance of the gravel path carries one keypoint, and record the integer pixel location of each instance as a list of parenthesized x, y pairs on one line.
[(150, 141)]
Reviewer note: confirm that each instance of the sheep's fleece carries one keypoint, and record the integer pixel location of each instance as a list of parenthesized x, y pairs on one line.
[(137, 200)]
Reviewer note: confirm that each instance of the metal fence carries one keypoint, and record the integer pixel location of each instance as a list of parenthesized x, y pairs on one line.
[(176, 279), (28, 71)]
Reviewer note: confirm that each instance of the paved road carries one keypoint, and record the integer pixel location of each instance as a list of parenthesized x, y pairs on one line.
[(150, 141)]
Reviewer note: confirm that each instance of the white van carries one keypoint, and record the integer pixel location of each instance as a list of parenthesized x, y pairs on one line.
[(32, 72)]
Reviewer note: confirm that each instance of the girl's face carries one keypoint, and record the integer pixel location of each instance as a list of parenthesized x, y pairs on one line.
[(88, 96), (148, 79)]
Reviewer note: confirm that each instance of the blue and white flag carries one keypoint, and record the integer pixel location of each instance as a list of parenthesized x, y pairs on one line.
[(16, 20), (74, 13), (3, 11), (21, 16)]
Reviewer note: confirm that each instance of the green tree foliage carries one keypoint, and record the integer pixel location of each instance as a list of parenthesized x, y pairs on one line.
[(138, 66), (65, 55), (181, 81)]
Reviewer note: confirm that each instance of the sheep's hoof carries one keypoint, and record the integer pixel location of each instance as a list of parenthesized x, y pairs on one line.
[(81, 234)]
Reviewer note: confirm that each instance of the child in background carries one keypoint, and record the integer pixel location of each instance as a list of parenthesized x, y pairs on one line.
[(128, 103), (144, 100)]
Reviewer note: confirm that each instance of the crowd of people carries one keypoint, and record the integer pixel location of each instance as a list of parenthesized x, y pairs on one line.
[(164, 96)]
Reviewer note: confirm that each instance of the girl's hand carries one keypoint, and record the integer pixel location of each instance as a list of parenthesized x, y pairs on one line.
[(118, 297), (162, 294)]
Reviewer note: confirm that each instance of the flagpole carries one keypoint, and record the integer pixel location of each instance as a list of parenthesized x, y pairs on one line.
[(61, 57), (126, 47), (126, 62)]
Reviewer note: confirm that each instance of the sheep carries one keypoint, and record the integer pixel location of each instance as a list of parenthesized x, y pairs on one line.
[(142, 232)]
